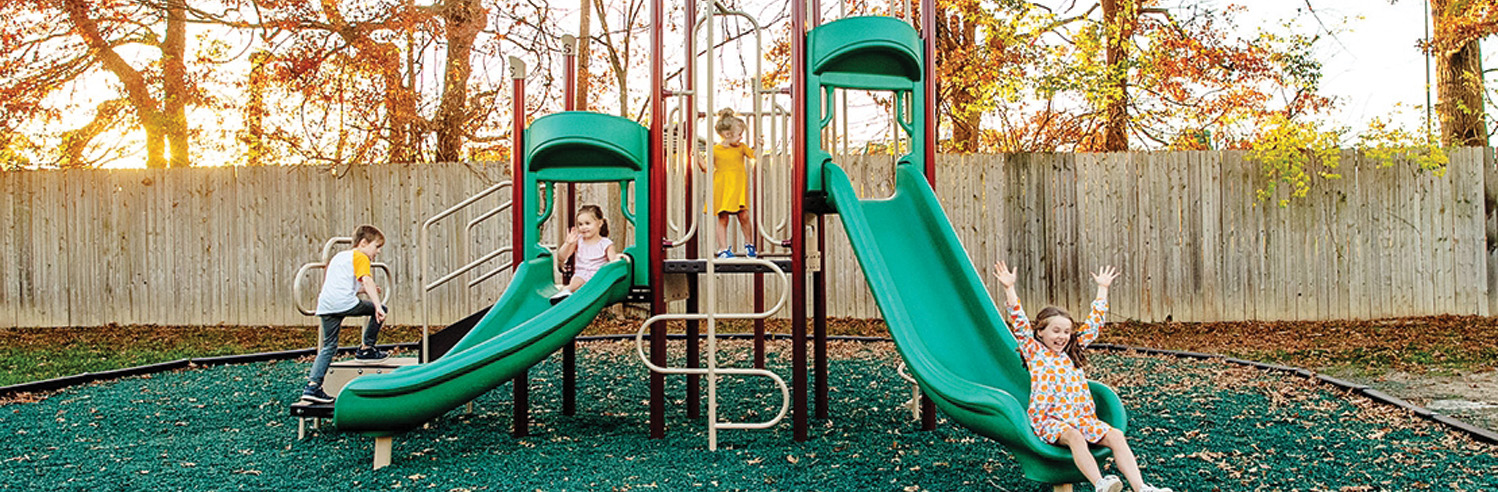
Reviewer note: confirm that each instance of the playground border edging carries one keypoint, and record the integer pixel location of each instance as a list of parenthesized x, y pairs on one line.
[(1476, 432)]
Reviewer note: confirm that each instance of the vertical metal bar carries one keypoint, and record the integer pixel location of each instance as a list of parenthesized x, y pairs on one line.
[(689, 128), (928, 413), (711, 274), (928, 141), (928, 104), (522, 404), (657, 219), (819, 318), (569, 103), (759, 323), (798, 233), (517, 215)]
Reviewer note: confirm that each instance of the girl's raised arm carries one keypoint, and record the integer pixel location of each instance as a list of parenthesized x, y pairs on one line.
[(1019, 324), (1104, 278), (568, 247)]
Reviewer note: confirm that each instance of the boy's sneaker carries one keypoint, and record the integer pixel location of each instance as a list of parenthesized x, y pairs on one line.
[(1152, 488), (559, 296), (1110, 483), (750, 251), (725, 254), (370, 355), (315, 394)]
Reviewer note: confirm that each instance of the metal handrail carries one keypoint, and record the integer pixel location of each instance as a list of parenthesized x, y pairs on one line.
[(712, 370), (915, 392), (327, 255), (776, 111), (465, 268), (689, 148), (424, 243)]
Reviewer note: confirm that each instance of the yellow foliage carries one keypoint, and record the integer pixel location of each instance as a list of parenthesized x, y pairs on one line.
[(1291, 152), (1388, 144)]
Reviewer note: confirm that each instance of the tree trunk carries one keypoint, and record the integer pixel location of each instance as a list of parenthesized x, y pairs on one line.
[(174, 73), (584, 41), (147, 108), (255, 109), (464, 19), (1460, 89), (1119, 18), (967, 124)]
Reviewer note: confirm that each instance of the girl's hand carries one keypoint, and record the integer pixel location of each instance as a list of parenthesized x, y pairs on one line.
[(1005, 274), (572, 236), (1105, 275)]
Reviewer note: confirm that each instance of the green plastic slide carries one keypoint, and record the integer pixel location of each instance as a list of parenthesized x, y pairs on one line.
[(520, 331), (945, 325)]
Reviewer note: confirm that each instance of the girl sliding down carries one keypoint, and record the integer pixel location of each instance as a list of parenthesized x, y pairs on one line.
[(1061, 407)]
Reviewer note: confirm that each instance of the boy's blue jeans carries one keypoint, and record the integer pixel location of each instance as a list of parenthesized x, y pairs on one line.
[(328, 336)]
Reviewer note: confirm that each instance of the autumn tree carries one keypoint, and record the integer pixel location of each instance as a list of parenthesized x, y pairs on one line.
[(1099, 76), (47, 45)]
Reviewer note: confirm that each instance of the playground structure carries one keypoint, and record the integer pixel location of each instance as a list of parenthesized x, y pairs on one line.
[(948, 331)]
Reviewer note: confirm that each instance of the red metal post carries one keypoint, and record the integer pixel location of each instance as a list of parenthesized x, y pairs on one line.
[(569, 203), (928, 38), (517, 220), (689, 128), (798, 210), (657, 219), (819, 318)]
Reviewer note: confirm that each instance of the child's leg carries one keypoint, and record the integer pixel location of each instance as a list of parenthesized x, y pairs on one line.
[(723, 231), (744, 225), (576, 283), (1124, 457), (327, 345), (1080, 455), (372, 328)]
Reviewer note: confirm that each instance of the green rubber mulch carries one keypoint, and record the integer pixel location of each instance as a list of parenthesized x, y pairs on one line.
[(1197, 426)]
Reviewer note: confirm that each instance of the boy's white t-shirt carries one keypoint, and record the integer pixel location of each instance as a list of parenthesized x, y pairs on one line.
[(340, 285)]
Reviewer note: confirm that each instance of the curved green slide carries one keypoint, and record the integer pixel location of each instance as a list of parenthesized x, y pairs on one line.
[(520, 331), (945, 325)]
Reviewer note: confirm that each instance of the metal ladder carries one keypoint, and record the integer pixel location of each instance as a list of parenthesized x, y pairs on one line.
[(712, 370)]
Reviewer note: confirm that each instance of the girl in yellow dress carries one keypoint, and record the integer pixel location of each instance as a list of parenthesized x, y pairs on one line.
[(731, 181)]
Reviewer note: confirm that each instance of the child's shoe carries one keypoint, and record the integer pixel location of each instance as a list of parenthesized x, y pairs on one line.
[(1152, 488), (370, 355), (315, 394), (750, 251), (561, 294), (1110, 483), (725, 254)]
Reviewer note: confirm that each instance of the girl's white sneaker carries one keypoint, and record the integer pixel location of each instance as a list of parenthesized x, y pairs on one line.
[(1110, 483), (1152, 488)]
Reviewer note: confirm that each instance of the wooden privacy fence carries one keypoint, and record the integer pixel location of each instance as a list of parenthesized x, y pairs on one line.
[(207, 246)]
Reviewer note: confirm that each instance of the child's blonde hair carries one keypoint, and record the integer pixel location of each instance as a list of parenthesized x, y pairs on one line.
[(728, 120)]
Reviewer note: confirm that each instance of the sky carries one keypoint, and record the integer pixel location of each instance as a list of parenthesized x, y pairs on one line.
[(1372, 64)]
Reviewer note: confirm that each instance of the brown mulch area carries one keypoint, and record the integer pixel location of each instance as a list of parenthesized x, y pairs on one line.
[(1404, 344)]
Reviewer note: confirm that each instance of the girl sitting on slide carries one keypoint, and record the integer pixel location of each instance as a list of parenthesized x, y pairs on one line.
[(1061, 407)]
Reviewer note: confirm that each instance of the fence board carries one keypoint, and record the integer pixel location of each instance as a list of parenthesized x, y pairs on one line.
[(9, 264)]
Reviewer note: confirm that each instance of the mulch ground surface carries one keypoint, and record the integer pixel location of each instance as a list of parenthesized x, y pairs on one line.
[(1196, 425)]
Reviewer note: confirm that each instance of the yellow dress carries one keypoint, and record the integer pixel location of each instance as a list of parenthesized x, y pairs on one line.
[(730, 179)]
